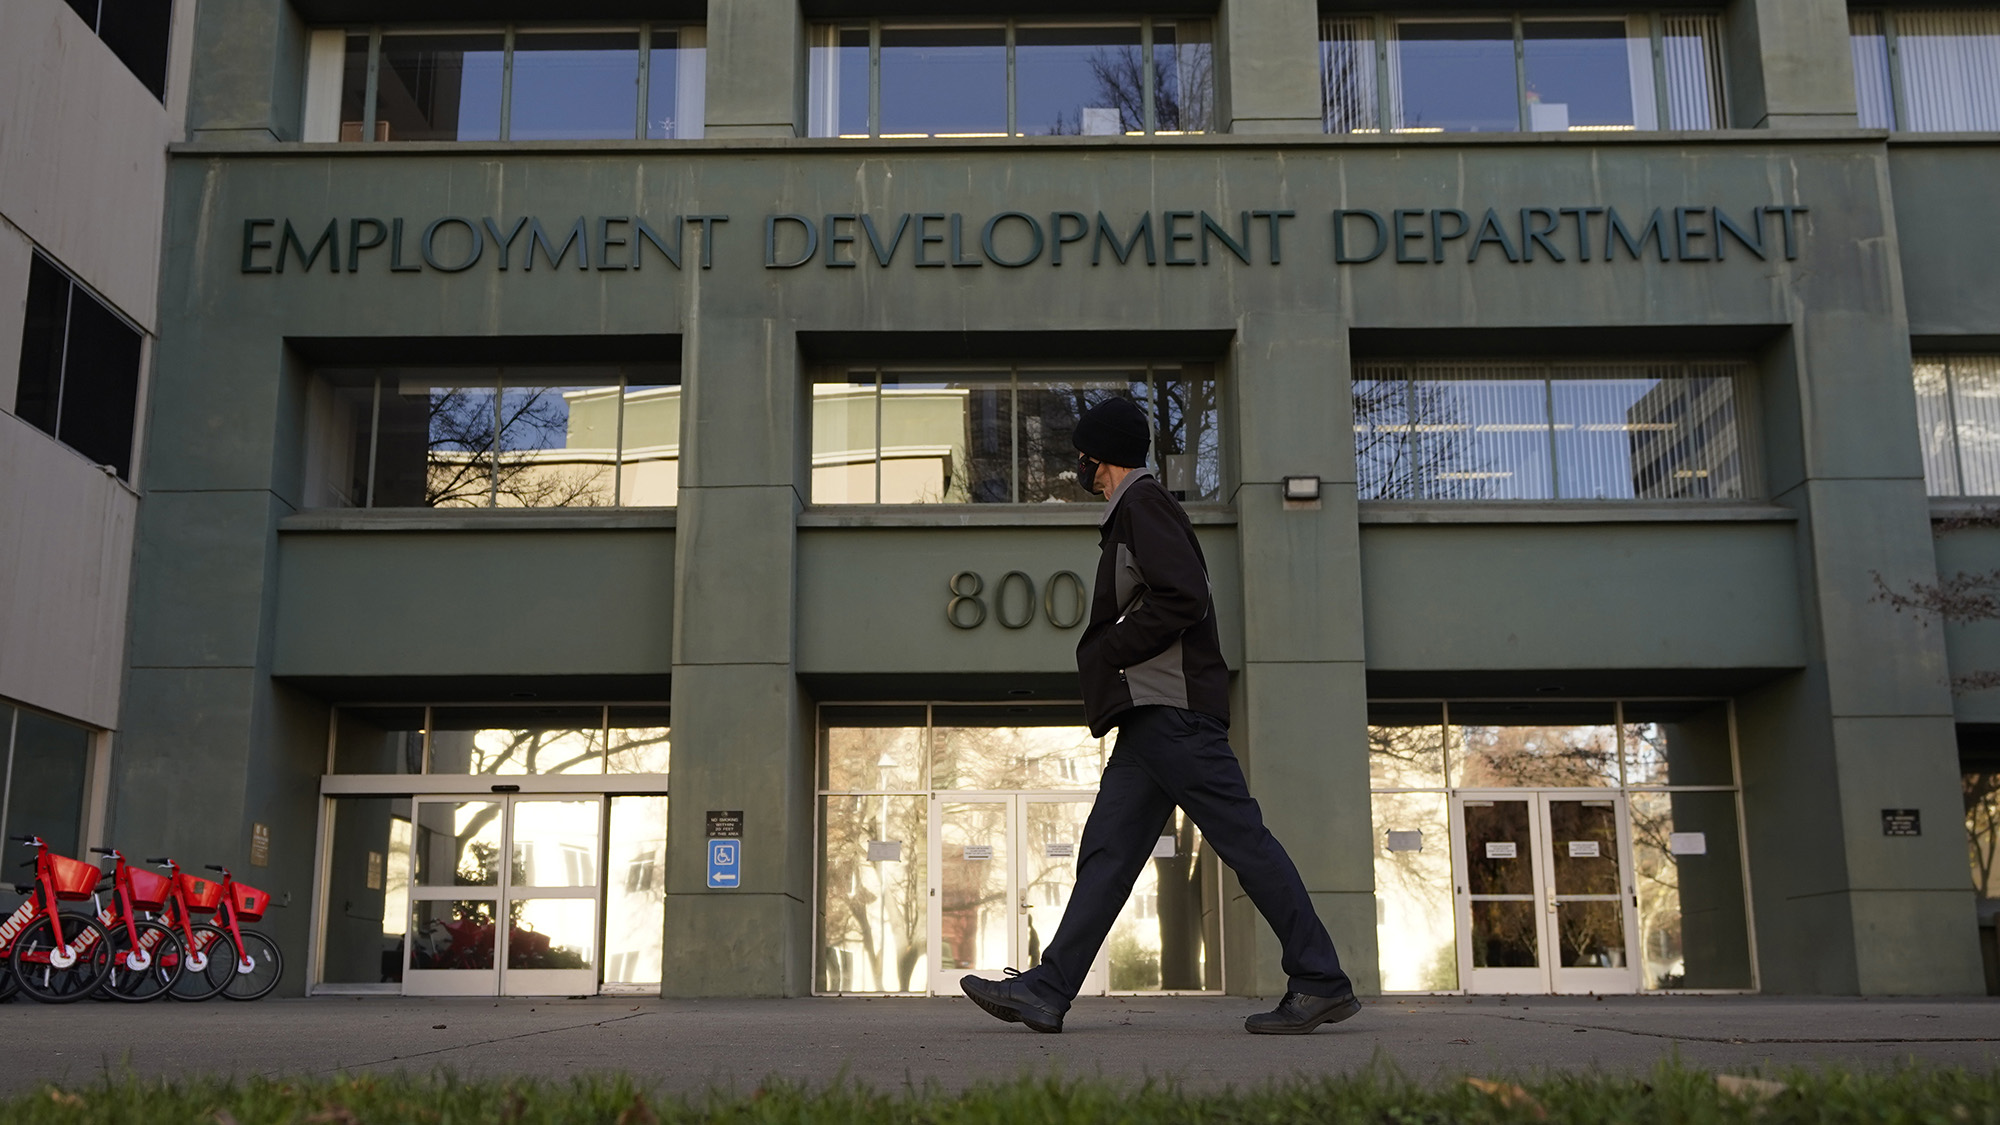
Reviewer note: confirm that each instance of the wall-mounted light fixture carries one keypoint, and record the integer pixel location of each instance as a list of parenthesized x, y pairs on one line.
[(1301, 488)]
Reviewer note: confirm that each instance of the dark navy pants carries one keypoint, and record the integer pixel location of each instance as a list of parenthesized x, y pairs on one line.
[(1165, 757)]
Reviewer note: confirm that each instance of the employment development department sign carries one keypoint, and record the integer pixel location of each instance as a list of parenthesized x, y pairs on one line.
[(1019, 239)]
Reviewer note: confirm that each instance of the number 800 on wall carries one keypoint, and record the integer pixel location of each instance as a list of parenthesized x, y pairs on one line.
[(1065, 601)]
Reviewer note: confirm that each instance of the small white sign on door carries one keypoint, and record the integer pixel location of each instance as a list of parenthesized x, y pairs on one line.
[(1059, 851), (1163, 848), (1688, 843), (1500, 849), (885, 851), (1583, 849), (978, 852)]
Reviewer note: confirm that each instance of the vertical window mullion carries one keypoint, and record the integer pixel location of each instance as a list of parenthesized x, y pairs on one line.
[(506, 95), (1411, 448), (1549, 405), (1663, 101), (875, 130), (425, 751), (878, 435), (1382, 106), (639, 133), (1010, 79), (62, 357), (493, 450), (1618, 740), (1520, 76), (1899, 101), (1951, 417), (1444, 743), (373, 83), (1149, 82), (1014, 425), (618, 451), (374, 440)]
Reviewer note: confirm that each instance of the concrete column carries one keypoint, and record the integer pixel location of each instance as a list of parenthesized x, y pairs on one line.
[(251, 84), (1267, 67), (209, 745), (756, 69), (1839, 906), (1302, 727), (741, 738), (1789, 63)]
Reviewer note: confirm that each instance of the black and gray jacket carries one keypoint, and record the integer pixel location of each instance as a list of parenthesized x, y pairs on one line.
[(1151, 638)]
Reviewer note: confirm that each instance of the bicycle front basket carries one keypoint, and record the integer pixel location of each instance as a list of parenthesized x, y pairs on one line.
[(74, 879), (202, 896), (149, 891), (250, 902)]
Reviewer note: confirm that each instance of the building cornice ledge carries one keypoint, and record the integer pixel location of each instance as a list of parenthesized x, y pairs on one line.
[(877, 149), (1576, 511), (478, 519), (986, 515)]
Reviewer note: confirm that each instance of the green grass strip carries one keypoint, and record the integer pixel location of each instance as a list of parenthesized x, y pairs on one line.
[(1672, 1092)]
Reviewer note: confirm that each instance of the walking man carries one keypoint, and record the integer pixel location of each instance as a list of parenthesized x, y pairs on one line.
[(1151, 665)]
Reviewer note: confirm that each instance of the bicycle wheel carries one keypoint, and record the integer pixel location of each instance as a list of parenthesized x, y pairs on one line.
[(266, 963), (149, 972), (41, 969), (209, 969)]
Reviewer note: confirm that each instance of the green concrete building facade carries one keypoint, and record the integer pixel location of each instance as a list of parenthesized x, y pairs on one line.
[(658, 539)]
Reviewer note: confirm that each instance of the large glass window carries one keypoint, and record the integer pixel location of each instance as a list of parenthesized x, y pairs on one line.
[(524, 83), (79, 369), (1958, 419), (486, 437), (137, 31), (502, 739), (1019, 78), (1673, 763), (962, 823), (44, 776), (1511, 74), (1935, 70), (1001, 435), (1611, 430)]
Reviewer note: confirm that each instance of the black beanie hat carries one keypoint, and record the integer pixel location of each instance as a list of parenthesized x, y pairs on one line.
[(1113, 432)]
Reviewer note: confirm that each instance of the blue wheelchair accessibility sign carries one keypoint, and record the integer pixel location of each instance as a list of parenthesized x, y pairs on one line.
[(725, 859)]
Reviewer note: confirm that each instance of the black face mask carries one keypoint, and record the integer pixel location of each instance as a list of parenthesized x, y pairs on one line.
[(1086, 473)]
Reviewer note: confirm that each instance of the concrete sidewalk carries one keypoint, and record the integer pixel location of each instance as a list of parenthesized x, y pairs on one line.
[(689, 1045)]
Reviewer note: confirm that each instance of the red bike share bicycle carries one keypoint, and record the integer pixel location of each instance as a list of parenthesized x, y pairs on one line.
[(53, 956), (147, 958), (223, 958)]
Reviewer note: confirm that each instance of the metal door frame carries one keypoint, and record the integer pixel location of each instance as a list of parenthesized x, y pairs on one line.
[(1546, 978), (942, 982), (495, 981)]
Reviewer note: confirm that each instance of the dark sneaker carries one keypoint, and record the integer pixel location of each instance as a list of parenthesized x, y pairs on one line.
[(1010, 1000), (1298, 1014)]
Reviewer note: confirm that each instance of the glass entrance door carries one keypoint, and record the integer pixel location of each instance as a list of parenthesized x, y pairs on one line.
[(1545, 897), (504, 895), (1006, 866)]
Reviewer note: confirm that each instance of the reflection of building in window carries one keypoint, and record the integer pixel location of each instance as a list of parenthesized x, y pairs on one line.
[(493, 437), (642, 871), (1604, 430), (1590, 73), (1047, 78), (1685, 442), (960, 436), (1958, 419)]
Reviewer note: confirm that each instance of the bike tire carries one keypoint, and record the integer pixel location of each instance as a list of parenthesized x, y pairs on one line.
[(269, 967), (154, 981), (41, 980), (196, 985)]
